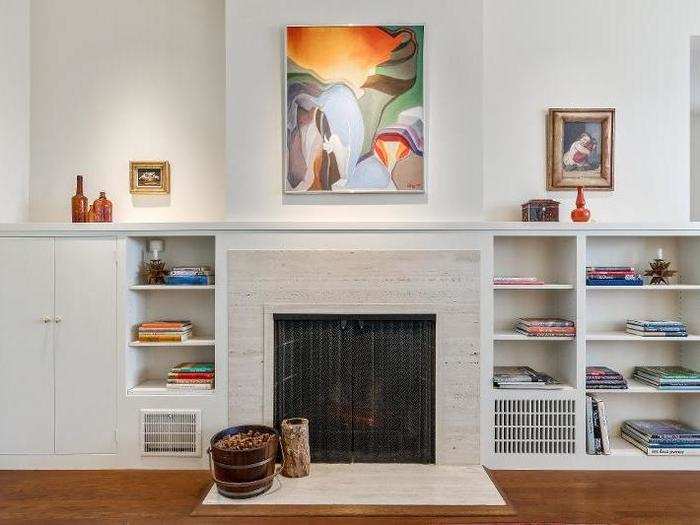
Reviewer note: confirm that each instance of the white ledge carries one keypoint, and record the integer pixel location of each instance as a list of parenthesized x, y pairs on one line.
[(29, 228)]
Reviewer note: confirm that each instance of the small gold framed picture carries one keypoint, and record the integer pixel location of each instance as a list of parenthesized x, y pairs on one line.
[(149, 177), (580, 148)]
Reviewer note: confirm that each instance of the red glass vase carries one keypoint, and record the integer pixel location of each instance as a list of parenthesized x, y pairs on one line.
[(580, 213)]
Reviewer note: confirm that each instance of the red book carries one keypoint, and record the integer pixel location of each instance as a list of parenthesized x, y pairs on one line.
[(191, 375), (569, 330)]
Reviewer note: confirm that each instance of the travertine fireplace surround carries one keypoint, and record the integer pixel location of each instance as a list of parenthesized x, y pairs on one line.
[(440, 282)]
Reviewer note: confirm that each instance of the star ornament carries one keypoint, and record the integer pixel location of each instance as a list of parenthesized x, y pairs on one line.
[(659, 271)]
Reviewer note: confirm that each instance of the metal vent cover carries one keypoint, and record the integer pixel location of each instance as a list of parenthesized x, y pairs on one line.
[(534, 426), (171, 432)]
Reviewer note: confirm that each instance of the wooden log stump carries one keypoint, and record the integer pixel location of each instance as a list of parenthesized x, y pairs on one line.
[(295, 445)]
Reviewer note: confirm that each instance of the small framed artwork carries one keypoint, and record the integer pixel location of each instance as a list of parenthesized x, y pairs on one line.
[(580, 149), (149, 177)]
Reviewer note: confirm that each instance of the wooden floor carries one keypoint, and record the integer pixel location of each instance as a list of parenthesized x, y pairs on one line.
[(170, 496)]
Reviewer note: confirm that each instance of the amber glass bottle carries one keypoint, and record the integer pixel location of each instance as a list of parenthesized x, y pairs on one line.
[(79, 202), (103, 208)]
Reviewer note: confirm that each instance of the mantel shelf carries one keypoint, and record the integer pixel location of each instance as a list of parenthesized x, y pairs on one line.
[(550, 286), (189, 342)]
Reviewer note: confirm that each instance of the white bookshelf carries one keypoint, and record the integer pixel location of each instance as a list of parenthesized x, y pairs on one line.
[(559, 259), (147, 363)]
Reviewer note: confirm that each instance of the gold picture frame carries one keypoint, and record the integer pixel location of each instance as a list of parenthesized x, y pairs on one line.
[(149, 177), (580, 148)]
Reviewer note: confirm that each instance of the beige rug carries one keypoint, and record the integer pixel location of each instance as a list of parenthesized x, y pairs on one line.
[(371, 489)]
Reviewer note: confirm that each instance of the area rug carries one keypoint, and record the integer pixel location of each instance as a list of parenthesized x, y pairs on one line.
[(370, 490)]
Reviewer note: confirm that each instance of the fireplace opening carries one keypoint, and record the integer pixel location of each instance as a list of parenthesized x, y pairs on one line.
[(366, 383)]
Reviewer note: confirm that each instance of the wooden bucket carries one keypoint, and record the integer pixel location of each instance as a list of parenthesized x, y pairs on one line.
[(243, 473)]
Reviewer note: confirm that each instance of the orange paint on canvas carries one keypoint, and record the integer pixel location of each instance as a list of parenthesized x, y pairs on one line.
[(348, 54)]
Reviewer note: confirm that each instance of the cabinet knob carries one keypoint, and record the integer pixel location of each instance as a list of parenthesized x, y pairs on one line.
[(46, 319), (57, 319)]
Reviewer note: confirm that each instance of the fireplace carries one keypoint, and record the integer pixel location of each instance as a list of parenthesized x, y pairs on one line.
[(365, 382), (437, 287)]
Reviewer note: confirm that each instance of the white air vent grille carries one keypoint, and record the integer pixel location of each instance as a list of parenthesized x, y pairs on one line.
[(170, 432), (534, 426)]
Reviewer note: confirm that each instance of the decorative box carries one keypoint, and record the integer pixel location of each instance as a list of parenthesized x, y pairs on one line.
[(541, 210)]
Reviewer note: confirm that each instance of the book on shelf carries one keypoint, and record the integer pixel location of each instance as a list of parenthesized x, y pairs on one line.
[(194, 376), (160, 337), (190, 386), (602, 377), (668, 377), (662, 437), (193, 367), (523, 377), (198, 280), (545, 327), (545, 321), (613, 276), (656, 328), (517, 280), (191, 375), (164, 331), (597, 432)]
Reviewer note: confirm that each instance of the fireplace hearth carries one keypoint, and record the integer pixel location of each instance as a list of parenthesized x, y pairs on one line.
[(365, 382)]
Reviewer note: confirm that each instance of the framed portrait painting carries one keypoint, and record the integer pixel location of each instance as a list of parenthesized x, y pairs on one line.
[(580, 149), (354, 115)]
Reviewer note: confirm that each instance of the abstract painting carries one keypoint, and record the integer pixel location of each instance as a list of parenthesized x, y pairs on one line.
[(354, 109), (580, 148)]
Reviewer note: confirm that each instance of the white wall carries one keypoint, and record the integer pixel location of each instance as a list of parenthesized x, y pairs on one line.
[(14, 110), (632, 55), (254, 44), (114, 81)]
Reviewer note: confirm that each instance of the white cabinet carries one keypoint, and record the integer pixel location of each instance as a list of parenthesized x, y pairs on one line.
[(26, 346), (58, 353)]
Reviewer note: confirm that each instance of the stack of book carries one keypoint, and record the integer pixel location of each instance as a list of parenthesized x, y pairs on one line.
[(190, 275), (523, 377), (165, 331), (604, 378), (663, 437), (191, 376), (656, 328), (597, 435), (613, 276), (545, 327), (668, 377), (517, 280)]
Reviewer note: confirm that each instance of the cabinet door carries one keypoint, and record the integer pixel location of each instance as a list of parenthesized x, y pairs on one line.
[(26, 357), (85, 346)]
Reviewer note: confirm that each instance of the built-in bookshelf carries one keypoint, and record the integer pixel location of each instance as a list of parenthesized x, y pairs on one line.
[(148, 363), (600, 313)]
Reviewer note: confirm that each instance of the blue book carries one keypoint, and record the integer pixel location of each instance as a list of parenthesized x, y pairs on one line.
[(187, 279), (614, 282)]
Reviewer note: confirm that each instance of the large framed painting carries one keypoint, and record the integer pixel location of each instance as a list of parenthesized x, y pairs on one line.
[(580, 146), (354, 109)]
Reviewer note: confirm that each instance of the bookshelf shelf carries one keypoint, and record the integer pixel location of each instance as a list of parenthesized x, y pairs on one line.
[(171, 288), (189, 342), (512, 336), (648, 288), (551, 286), (637, 387), (156, 387), (623, 336)]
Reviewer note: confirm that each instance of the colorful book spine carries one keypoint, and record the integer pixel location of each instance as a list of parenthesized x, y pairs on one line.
[(163, 338)]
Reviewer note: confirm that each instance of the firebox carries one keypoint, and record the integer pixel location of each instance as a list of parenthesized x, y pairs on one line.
[(365, 382)]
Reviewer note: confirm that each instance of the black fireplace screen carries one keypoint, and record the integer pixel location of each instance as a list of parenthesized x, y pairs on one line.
[(366, 384)]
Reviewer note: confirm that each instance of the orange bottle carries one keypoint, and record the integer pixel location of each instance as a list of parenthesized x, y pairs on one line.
[(103, 208), (79, 202)]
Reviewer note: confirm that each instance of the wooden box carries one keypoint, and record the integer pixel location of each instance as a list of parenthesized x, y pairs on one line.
[(540, 210)]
